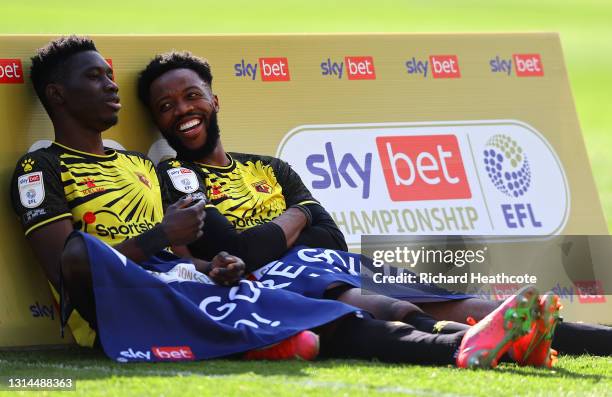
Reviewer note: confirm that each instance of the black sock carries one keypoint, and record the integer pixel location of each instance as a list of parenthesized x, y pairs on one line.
[(390, 341), (578, 338), (424, 322)]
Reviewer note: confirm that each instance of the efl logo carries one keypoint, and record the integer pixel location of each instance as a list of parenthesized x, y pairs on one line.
[(11, 71), (173, 353), (426, 167), (274, 69), (528, 65), (360, 68), (445, 66), (590, 292)]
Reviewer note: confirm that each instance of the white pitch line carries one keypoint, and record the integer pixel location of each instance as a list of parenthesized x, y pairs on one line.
[(306, 383)]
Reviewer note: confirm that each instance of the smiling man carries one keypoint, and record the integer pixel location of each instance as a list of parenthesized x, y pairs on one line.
[(77, 184), (259, 209)]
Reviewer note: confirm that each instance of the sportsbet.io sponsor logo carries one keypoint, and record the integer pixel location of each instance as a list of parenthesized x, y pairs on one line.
[(109, 226), (478, 178)]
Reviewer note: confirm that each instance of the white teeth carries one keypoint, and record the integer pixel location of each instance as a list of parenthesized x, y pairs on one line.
[(189, 124)]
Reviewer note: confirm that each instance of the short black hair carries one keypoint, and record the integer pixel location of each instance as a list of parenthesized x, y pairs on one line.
[(47, 63), (169, 61)]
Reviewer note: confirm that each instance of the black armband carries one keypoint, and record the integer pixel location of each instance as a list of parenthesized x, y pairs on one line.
[(306, 213), (152, 241)]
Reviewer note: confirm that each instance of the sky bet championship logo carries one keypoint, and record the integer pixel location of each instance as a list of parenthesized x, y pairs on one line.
[(469, 178)]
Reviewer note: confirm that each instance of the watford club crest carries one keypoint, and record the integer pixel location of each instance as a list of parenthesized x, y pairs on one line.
[(143, 178), (262, 187)]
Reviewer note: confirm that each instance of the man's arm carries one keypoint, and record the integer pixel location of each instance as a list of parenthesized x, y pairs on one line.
[(257, 246), (323, 232), (47, 244), (181, 225)]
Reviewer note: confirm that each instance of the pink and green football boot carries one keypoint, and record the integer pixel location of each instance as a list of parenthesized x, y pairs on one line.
[(484, 343), (534, 348)]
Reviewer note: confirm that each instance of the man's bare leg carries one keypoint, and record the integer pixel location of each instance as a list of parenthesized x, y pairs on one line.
[(380, 306), (390, 309)]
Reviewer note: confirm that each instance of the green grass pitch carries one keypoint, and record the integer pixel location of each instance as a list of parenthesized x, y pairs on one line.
[(97, 376), (585, 30)]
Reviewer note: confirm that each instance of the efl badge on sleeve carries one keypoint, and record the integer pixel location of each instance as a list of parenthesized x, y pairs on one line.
[(184, 179), (31, 189)]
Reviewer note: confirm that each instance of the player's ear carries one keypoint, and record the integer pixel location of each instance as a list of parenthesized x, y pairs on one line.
[(216, 102), (54, 93)]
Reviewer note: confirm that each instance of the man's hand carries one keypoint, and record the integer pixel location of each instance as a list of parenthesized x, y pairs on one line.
[(225, 269), (183, 221)]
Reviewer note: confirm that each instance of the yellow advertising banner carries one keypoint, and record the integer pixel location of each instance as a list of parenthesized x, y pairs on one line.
[(417, 134)]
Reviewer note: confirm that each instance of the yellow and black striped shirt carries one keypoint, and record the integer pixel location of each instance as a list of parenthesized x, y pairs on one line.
[(114, 196), (250, 191)]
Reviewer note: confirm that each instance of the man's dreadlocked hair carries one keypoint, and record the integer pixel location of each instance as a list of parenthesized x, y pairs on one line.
[(169, 61), (47, 64)]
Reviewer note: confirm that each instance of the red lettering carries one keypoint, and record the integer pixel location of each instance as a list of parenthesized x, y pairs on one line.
[(590, 291), (445, 66), (527, 65), (423, 167), (274, 69), (360, 68), (173, 353), (11, 71)]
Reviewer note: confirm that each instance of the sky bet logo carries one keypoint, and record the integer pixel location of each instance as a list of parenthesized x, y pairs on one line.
[(356, 68), (270, 69), (11, 71), (415, 168), (442, 66), (173, 353), (426, 167), (525, 65)]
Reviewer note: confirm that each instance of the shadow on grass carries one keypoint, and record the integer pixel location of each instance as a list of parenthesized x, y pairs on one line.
[(84, 363), (556, 372)]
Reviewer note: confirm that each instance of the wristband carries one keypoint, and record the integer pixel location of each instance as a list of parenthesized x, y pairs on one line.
[(152, 241), (306, 213)]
